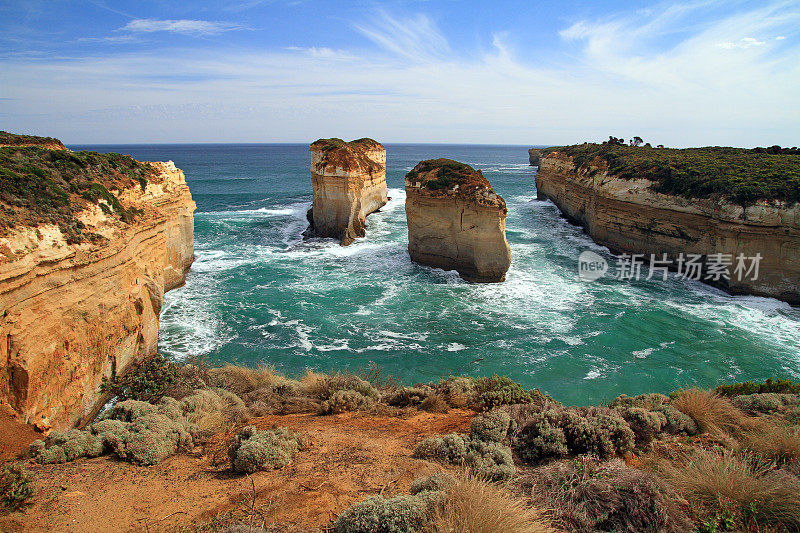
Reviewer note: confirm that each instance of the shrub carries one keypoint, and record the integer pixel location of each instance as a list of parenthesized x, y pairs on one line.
[(765, 403), (472, 505), (147, 381), (711, 412), (401, 514), (210, 410), (675, 422), (408, 396), (345, 400), (324, 387), (748, 387), (63, 446), (16, 486), (646, 425), (494, 391), (241, 380), (252, 450), (586, 496), (154, 437), (434, 404), (555, 431), (488, 459), (738, 486), (492, 426), (459, 391)]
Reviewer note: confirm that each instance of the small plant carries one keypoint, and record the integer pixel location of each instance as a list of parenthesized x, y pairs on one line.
[(146, 382), (495, 391), (491, 460), (16, 487), (252, 450), (346, 400), (711, 412), (491, 426), (401, 514), (749, 387)]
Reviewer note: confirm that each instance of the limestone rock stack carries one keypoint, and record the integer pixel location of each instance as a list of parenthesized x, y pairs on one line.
[(73, 313), (349, 181), (456, 221)]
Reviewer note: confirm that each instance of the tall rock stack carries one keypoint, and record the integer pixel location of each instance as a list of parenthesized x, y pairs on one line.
[(349, 181), (456, 221)]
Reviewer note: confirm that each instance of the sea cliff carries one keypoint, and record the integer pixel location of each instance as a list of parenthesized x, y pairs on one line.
[(81, 287), (349, 183), (456, 221), (631, 211)]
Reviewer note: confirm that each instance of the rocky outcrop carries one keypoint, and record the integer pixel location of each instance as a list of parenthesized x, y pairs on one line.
[(629, 216), (535, 156), (18, 141), (349, 181), (73, 313), (456, 221)]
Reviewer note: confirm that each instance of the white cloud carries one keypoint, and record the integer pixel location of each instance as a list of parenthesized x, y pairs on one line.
[(185, 27), (611, 78), (744, 42)]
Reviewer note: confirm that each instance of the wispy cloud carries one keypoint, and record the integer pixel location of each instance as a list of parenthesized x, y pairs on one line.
[(185, 27), (744, 42), (417, 38)]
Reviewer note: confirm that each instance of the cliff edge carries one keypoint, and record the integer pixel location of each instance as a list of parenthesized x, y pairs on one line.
[(702, 202), (89, 243), (456, 221), (349, 182)]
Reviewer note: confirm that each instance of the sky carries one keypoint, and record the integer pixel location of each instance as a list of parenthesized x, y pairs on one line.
[(691, 73)]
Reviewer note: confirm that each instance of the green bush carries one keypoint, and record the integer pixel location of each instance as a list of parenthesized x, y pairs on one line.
[(674, 421), (646, 425), (603, 433), (491, 426), (408, 396), (63, 446), (432, 483), (495, 391), (146, 382), (765, 403), (16, 486), (749, 387), (401, 514), (253, 450), (491, 460)]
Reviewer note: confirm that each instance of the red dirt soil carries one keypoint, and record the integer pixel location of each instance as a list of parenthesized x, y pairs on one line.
[(352, 456)]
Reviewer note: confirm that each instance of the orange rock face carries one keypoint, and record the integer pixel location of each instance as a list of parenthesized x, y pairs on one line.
[(71, 314), (349, 182), (456, 221), (629, 216)]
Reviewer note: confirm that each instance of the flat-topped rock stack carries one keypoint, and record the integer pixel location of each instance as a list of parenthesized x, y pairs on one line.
[(349, 181), (456, 221)]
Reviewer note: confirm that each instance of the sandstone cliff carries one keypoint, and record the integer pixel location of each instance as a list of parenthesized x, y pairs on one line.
[(349, 182), (456, 221), (74, 309), (630, 216)]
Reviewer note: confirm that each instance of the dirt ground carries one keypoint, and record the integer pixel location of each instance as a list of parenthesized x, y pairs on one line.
[(351, 456)]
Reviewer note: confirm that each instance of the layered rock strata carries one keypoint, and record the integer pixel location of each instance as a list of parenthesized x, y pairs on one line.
[(629, 216), (349, 182), (456, 221), (73, 313)]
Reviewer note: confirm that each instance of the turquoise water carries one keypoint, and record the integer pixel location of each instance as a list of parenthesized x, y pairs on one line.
[(258, 293)]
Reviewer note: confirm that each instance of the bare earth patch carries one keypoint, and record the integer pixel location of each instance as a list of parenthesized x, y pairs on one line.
[(351, 456)]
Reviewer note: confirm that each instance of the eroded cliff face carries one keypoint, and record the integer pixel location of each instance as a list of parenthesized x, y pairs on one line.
[(71, 314), (629, 216), (458, 225), (349, 182)]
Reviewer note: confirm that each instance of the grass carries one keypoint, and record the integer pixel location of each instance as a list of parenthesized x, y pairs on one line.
[(773, 441), (474, 505), (739, 486), (51, 186), (712, 413), (743, 176)]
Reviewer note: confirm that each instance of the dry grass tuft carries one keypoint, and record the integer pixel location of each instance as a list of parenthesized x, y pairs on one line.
[(774, 441), (434, 404), (739, 486), (473, 505), (711, 412), (241, 380)]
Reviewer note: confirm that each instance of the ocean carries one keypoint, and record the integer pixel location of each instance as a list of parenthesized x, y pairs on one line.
[(257, 293)]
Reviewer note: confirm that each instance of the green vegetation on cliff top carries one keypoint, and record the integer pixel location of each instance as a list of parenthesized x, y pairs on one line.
[(742, 175), (448, 173), (15, 139), (49, 186)]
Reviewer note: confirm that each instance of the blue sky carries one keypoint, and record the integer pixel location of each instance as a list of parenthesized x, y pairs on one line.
[(506, 72)]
